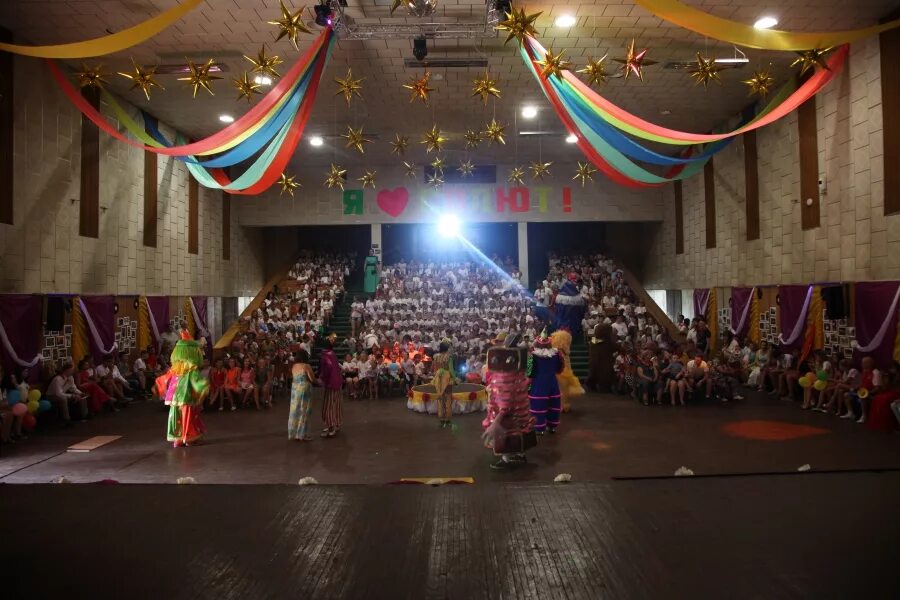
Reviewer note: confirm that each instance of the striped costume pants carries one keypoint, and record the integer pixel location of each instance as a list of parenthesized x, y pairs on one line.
[(333, 409), (546, 411)]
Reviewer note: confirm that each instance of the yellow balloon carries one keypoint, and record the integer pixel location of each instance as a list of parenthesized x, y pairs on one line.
[(820, 385), (804, 382), (34, 395), (32, 407)]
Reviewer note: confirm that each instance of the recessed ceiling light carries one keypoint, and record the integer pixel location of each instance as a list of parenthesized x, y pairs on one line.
[(226, 118), (766, 22), (572, 138), (665, 111), (565, 21), (316, 141), (262, 80), (529, 112)]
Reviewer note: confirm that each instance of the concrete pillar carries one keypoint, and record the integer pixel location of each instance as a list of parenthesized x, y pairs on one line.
[(376, 240), (523, 252)]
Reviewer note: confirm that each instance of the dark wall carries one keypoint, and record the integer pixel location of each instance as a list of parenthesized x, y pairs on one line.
[(561, 238), (282, 244), (422, 242)]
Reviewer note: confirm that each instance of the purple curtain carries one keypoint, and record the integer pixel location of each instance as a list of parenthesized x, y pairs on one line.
[(791, 300), (22, 319), (102, 310), (740, 298), (873, 302), (200, 307), (159, 308), (701, 302)]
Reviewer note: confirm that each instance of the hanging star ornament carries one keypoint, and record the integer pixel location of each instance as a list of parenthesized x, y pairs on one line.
[(395, 5), (246, 87), (419, 88), (356, 139), (634, 62), (810, 59), (436, 179), (473, 138), (142, 78), (706, 70), (288, 184), (585, 172), (434, 140), (760, 83), (291, 25), (466, 168), (539, 170), (367, 179), (517, 176), (518, 25), (264, 64), (399, 144), (335, 177), (438, 165), (485, 86), (410, 169), (494, 132), (348, 86), (553, 64), (91, 77), (596, 70), (200, 77)]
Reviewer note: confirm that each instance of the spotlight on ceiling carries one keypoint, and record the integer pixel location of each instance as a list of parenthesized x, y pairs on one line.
[(262, 80), (766, 22), (565, 21), (529, 112), (420, 49), (226, 118), (448, 226), (316, 141), (323, 14), (571, 138)]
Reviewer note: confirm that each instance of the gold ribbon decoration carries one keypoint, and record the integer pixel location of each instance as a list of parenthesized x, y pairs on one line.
[(189, 317), (144, 337), (110, 43), (740, 34), (79, 333)]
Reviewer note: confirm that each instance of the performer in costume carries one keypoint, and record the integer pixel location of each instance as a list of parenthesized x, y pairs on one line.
[(183, 388), (332, 380), (570, 307), (302, 379), (601, 361), (442, 363), (183, 332), (569, 386), (544, 364), (508, 426), (370, 281)]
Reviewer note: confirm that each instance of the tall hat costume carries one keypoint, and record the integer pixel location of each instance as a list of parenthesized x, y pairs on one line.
[(544, 364), (182, 388), (508, 425), (569, 386)]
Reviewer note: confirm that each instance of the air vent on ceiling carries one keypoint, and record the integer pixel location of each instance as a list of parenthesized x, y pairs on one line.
[(445, 63)]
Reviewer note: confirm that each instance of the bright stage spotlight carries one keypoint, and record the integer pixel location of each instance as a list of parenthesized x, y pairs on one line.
[(448, 226)]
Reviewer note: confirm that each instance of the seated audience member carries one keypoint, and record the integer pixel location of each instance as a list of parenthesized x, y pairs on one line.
[(726, 376), (818, 364), (248, 385), (794, 369), (869, 380), (217, 385), (10, 423), (233, 382), (647, 376), (698, 377), (62, 390), (881, 416), (264, 373), (87, 383), (846, 380)]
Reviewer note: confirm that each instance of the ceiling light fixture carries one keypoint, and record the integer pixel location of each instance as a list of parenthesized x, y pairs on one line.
[(529, 112), (571, 138), (323, 14), (226, 118), (766, 22), (262, 80), (316, 141), (565, 21)]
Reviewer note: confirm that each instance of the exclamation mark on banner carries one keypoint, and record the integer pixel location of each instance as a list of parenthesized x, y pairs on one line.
[(567, 200)]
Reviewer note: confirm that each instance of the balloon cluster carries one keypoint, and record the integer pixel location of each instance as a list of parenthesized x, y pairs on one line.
[(817, 381), (27, 407)]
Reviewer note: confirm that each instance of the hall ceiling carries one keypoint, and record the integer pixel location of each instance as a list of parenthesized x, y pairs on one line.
[(227, 29)]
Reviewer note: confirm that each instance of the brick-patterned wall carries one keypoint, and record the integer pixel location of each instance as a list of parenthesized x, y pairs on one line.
[(855, 240), (43, 253)]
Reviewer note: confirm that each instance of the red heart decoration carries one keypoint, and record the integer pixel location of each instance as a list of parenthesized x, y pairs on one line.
[(393, 202)]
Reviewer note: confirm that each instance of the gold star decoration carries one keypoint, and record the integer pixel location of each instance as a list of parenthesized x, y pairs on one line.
[(264, 64), (634, 62), (518, 25), (540, 169), (517, 175), (466, 168), (596, 70), (335, 177), (246, 87), (434, 139), (810, 59), (410, 169), (585, 172), (91, 77), (356, 139), (473, 138), (291, 25), (419, 88), (367, 179), (142, 78), (399, 144), (553, 64), (349, 86), (760, 83), (438, 165), (706, 70), (288, 184), (494, 132), (485, 86), (200, 77), (436, 179)]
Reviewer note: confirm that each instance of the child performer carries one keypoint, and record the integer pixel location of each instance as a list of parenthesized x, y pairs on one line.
[(443, 383), (544, 363), (183, 388), (508, 424)]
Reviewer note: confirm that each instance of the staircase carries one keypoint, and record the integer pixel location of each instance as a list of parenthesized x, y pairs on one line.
[(339, 325), (578, 358)]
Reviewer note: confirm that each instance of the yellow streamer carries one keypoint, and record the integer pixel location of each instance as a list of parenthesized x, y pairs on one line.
[(79, 333), (144, 337), (110, 43), (741, 34), (189, 317), (753, 328)]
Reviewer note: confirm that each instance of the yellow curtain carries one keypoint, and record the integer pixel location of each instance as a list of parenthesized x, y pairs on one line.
[(144, 337), (189, 317), (753, 327), (79, 332), (712, 320)]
